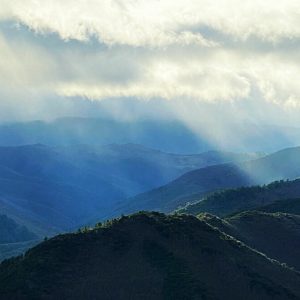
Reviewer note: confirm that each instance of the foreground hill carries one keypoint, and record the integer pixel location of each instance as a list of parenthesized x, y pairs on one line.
[(194, 185), (50, 189), (147, 256), (248, 198), (277, 235)]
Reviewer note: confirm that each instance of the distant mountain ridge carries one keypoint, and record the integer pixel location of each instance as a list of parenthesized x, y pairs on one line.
[(170, 136), (50, 189), (196, 184)]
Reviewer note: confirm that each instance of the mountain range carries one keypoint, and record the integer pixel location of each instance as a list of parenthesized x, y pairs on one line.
[(234, 235), (195, 185), (168, 136), (51, 189), (173, 136)]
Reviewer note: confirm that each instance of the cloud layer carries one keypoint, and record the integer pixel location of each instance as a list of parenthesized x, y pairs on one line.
[(225, 51), (157, 23)]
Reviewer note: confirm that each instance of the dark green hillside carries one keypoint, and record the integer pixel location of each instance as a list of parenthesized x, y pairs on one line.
[(290, 206), (277, 235), (147, 256), (246, 198)]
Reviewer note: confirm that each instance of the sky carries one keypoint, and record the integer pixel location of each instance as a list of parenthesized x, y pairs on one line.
[(226, 60)]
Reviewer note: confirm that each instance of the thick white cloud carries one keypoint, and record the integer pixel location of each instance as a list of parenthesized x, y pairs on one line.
[(207, 51), (168, 79), (134, 23), (157, 23)]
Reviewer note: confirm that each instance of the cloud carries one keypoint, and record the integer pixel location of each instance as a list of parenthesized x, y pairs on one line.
[(88, 70), (134, 23), (227, 52), (167, 79), (216, 76), (158, 23)]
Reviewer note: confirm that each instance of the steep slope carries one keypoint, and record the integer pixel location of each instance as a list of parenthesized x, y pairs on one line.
[(277, 235), (194, 185), (147, 256), (246, 198), (50, 189)]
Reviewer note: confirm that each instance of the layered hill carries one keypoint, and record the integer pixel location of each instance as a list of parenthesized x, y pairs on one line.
[(275, 234), (11, 232), (196, 184), (50, 189), (14, 238), (248, 198), (147, 256)]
